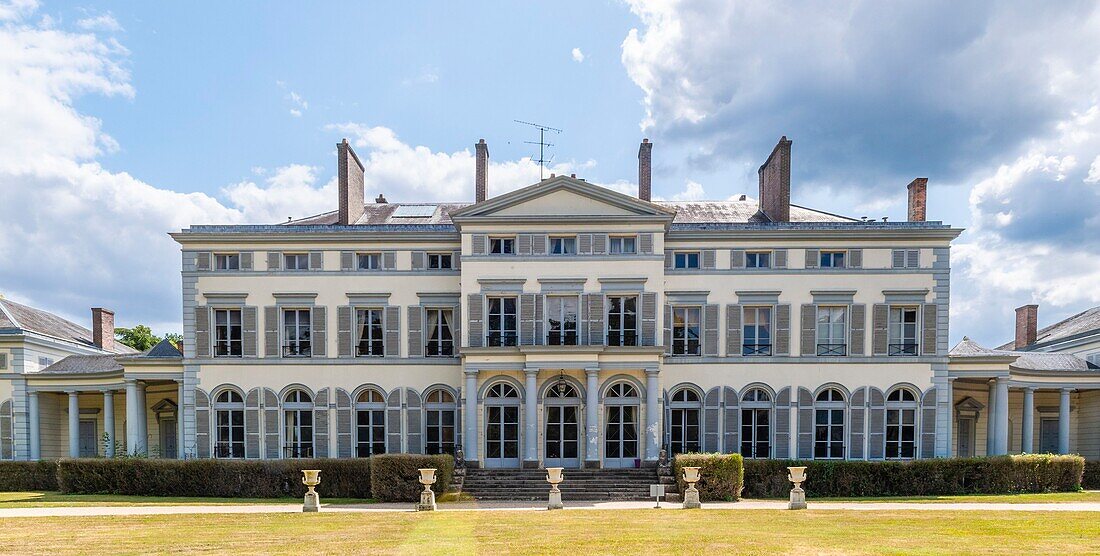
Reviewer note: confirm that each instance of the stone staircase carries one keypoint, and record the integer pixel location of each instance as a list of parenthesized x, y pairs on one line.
[(580, 484)]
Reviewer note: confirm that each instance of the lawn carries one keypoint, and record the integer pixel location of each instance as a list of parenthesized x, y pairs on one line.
[(566, 532), (1044, 498), (56, 499)]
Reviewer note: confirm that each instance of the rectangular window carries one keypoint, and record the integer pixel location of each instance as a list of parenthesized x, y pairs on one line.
[(227, 333), (832, 259), (622, 245), (622, 320), (296, 333), (829, 434), (440, 261), (563, 245), (502, 322), (561, 320), (368, 328), (370, 432), (369, 261), (441, 341), (296, 261), (685, 259), (903, 331), (230, 431), (832, 328), (502, 246), (756, 433), (45, 362), (757, 331), (685, 330), (901, 433), (758, 259), (227, 261)]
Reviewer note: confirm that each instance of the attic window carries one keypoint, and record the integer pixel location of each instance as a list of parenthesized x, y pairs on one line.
[(414, 211)]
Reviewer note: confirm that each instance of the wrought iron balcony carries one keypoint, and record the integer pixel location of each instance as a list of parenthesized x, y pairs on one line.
[(832, 350), (625, 338), (370, 349), (298, 451), (902, 349), (229, 450), (501, 339), (756, 349), (689, 347), (568, 338), (440, 348), (299, 349)]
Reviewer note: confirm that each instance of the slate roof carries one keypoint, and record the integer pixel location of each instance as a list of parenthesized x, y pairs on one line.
[(17, 315), (1025, 360), (84, 364), (1082, 323), (164, 349)]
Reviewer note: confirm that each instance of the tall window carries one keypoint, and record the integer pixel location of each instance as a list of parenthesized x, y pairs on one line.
[(622, 245), (229, 425), (622, 320), (903, 331), (227, 332), (829, 424), (368, 326), (758, 259), (757, 331), (685, 330), (756, 418), (370, 424), (685, 411), (566, 245), (440, 415), (369, 261), (832, 328), (502, 246), (502, 321), (561, 320), (832, 259), (227, 261), (901, 424), (296, 261), (440, 261), (296, 333), (441, 342), (298, 425), (685, 259)]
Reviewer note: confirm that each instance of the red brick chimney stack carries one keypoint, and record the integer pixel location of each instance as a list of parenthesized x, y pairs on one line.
[(645, 170), (918, 199), (481, 175), (775, 183), (350, 177), (1027, 325), (103, 328)]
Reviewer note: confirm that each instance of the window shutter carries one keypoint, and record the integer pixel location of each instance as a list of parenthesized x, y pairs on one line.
[(413, 418), (668, 329), (540, 335), (274, 260), (595, 320), (730, 440), (202, 260), (320, 424), (876, 428), (316, 260), (249, 338), (456, 260), (392, 318), (582, 320), (419, 260), (343, 423), (456, 329), (928, 425), (855, 258), (928, 322), (649, 318), (645, 244), (782, 448), (344, 338), (252, 424), (709, 257), (389, 260), (912, 258), (805, 424), (272, 450), (347, 260), (858, 323), (897, 258), (538, 244), (779, 258), (475, 313), (733, 330), (202, 331), (737, 258), (246, 260), (710, 329), (813, 258), (319, 334), (527, 319), (599, 244), (393, 422), (667, 425), (477, 244), (880, 334), (584, 244), (523, 244), (669, 259), (416, 330), (809, 330), (782, 330), (202, 423), (856, 423), (712, 412), (3, 361), (271, 331)]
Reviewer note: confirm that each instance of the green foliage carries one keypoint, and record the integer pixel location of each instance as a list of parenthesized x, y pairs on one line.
[(925, 477), (1091, 480), (139, 337), (721, 476), (28, 475), (394, 477), (176, 339)]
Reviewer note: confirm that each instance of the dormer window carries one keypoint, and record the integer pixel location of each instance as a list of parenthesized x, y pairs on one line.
[(370, 261), (685, 259), (833, 259), (440, 261), (227, 261), (563, 245), (758, 259), (622, 245), (502, 245), (296, 261)]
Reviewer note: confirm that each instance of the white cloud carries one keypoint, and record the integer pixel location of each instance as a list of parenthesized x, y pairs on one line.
[(298, 105), (105, 22), (289, 192), (693, 191), (16, 9), (578, 56)]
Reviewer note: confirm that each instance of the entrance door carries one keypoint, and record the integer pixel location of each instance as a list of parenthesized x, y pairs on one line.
[(1048, 436), (89, 443), (562, 444), (966, 437), (502, 436), (168, 446), (685, 431), (621, 436)]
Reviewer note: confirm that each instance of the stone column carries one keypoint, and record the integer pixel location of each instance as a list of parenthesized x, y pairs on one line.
[(143, 419), (652, 415), (592, 418), (470, 442), (991, 419), (950, 415), (109, 422), (132, 430), (180, 453), (1000, 448), (33, 417), (1063, 422), (1027, 424), (531, 424), (74, 424)]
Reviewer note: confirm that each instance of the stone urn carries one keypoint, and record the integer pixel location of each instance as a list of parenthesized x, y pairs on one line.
[(311, 478), (555, 477), (691, 494), (427, 497), (797, 475)]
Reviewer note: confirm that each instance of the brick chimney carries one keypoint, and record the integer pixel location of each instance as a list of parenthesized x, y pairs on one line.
[(645, 170), (350, 172), (775, 183), (918, 199), (103, 328), (1027, 324), (481, 172)]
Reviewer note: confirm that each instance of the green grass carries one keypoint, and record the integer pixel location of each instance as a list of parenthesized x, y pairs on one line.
[(566, 532), (1043, 498), (56, 499)]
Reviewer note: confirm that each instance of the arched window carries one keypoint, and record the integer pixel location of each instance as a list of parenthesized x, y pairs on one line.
[(502, 390), (622, 390), (442, 412), (562, 390), (901, 424), (502, 425), (298, 424), (229, 425), (370, 423), (685, 412), (829, 410), (621, 404), (756, 420)]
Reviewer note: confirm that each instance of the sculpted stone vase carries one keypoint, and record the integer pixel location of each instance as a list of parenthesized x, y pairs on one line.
[(691, 494), (311, 478), (797, 475), (427, 497), (555, 477)]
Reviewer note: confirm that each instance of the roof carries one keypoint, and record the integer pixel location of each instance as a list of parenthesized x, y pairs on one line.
[(17, 315), (1082, 323), (163, 349), (1025, 360), (84, 364)]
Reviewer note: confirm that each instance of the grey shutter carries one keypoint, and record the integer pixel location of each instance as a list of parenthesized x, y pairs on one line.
[(584, 244), (928, 424), (419, 260), (456, 328), (202, 423), (710, 329), (737, 258), (779, 259), (857, 421), (540, 336), (202, 331), (246, 260), (272, 450), (730, 437), (876, 429), (320, 424), (855, 258), (271, 331), (805, 424), (928, 323), (782, 330), (649, 318), (3, 361), (250, 339), (316, 260), (709, 257), (7, 450), (809, 330), (523, 244), (202, 260), (456, 260), (645, 244), (857, 344), (782, 448), (475, 309), (477, 244), (344, 338), (668, 329), (880, 318), (897, 258), (343, 423), (582, 320), (733, 330), (666, 426), (274, 260), (252, 424), (595, 320), (416, 330), (669, 259), (389, 260), (527, 319), (538, 244), (393, 422), (813, 258), (347, 260), (712, 412), (599, 244), (319, 333), (413, 417), (392, 319), (912, 258)]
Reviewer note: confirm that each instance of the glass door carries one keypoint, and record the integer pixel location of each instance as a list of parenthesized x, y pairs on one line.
[(501, 436), (621, 436), (562, 444)]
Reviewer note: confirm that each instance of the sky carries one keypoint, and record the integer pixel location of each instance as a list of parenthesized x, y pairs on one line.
[(120, 122)]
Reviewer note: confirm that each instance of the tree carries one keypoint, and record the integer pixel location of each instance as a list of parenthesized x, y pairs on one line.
[(140, 337), (176, 339)]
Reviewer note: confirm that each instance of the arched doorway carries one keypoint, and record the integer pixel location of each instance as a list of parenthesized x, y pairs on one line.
[(562, 435), (502, 426), (621, 404)]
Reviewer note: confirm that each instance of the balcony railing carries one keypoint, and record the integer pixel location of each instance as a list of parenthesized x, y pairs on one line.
[(624, 338), (229, 449), (501, 339), (298, 451), (370, 350), (568, 338), (440, 348), (902, 349), (689, 347), (227, 348), (756, 349), (300, 349), (832, 350), (365, 451)]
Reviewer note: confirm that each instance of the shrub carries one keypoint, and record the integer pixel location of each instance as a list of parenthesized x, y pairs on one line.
[(1091, 480), (721, 476), (394, 477), (926, 477), (28, 475)]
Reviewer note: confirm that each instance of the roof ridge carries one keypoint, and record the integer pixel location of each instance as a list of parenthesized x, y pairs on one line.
[(7, 313)]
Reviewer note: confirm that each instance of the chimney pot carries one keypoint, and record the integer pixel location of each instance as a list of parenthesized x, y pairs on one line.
[(645, 170), (481, 171), (1027, 324), (574, 176), (103, 328), (918, 199), (775, 183), (381, 199), (350, 178)]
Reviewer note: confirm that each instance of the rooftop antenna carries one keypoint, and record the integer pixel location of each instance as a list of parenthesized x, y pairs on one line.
[(541, 143)]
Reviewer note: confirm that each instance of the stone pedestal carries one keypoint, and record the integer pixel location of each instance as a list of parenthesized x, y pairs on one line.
[(427, 501), (691, 498), (312, 502), (798, 499), (555, 500)]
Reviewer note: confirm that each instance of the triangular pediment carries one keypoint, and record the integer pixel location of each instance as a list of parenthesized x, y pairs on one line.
[(565, 197)]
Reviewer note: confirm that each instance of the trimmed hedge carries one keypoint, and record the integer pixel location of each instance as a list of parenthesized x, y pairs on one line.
[(721, 476), (1091, 480), (395, 477), (28, 475), (926, 477)]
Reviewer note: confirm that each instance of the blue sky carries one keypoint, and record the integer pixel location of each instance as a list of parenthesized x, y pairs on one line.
[(123, 121)]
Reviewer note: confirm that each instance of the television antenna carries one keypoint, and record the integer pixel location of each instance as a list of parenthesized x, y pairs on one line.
[(542, 160)]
